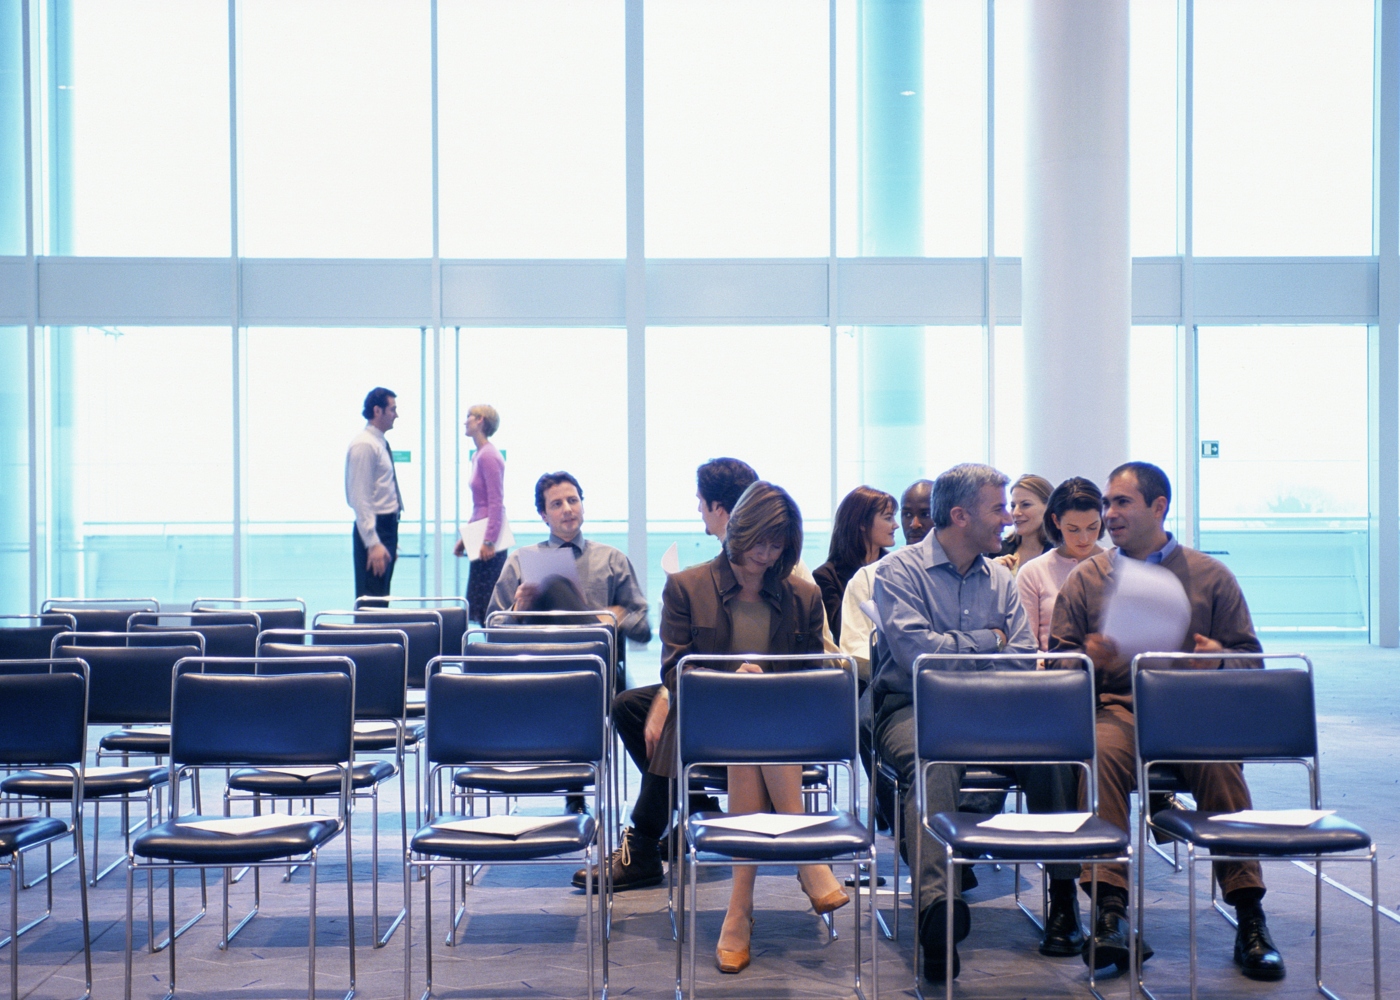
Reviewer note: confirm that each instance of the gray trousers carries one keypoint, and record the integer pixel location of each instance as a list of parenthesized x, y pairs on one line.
[(1048, 788)]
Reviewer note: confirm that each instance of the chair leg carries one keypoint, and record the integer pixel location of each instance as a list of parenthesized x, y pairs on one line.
[(130, 894), (1191, 910), (311, 934)]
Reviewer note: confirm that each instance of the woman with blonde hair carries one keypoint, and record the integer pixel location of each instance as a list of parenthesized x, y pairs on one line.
[(1027, 540), (488, 477)]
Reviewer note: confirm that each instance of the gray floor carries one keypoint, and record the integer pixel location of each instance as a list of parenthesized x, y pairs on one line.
[(524, 934)]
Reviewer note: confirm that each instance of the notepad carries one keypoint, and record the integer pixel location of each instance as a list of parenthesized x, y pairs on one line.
[(513, 767), (235, 825), (375, 727), (473, 536), (161, 730), (91, 772), (768, 824), (1276, 817), (499, 826), (1036, 822), (302, 772)]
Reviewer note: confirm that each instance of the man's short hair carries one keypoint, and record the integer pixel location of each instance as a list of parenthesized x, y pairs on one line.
[(549, 480), (378, 396), (723, 481), (490, 419), (1152, 482), (958, 487)]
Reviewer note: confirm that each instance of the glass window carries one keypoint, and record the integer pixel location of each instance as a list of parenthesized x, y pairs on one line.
[(336, 128), (1009, 406), (147, 84), (1152, 126), (14, 471), (532, 128), (1283, 470), (11, 128), (1283, 127), (141, 453), (305, 393), (1009, 121), (737, 128)]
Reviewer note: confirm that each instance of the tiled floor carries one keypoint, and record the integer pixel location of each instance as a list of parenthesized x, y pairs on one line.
[(524, 935)]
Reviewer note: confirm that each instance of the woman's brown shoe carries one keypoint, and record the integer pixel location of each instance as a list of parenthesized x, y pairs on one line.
[(828, 902), (734, 961)]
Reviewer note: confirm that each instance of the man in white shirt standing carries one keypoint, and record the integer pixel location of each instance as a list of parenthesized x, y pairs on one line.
[(372, 491)]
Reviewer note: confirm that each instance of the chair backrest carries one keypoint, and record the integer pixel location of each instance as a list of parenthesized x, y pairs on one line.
[(453, 610), (43, 712), (100, 614), (381, 670), (516, 718), (30, 637), (273, 612), (515, 660), (423, 628), (799, 716), (128, 684), (232, 633), (536, 649), (1225, 715)]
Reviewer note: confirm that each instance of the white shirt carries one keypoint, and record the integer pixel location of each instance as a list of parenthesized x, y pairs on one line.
[(856, 625), (370, 486)]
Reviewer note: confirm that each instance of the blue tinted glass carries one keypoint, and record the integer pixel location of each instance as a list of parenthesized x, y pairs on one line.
[(11, 129)]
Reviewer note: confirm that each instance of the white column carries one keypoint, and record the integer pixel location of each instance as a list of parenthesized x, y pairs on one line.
[(1076, 272)]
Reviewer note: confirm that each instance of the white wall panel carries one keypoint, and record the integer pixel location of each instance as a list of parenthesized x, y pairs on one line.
[(14, 290), (102, 291), (1157, 291), (736, 291), (549, 292), (1286, 290), (337, 292), (889, 291)]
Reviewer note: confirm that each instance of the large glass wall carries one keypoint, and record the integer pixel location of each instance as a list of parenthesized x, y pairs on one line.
[(14, 471)]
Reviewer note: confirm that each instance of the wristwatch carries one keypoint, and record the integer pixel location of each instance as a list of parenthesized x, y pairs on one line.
[(1001, 642)]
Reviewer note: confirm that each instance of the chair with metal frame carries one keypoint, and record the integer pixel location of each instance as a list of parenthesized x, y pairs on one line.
[(381, 674), (1007, 718), (226, 633), (273, 612), (549, 620), (1238, 716), (43, 724), (497, 719), (32, 641), (235, 720), (100, 614), (454, 612), (803, 712)]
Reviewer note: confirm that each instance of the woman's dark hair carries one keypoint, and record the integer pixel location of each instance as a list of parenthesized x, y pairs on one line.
[(1042, 488), (378, 396), (1073, 494), (851, 527), (765, 513)]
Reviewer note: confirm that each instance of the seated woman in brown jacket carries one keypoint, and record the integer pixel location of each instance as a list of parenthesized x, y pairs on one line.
[(746, 601)]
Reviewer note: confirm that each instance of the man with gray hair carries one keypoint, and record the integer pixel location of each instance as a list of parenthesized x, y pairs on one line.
[(944, 596)]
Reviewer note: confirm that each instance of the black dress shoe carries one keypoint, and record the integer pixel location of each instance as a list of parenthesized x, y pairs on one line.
[(575, 804), (1063, 934), (933, 938), (1111, 942), (967, 878), (1255, 953)]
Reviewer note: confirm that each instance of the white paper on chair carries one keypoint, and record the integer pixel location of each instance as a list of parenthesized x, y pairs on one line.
[(302, 772), (91, 772), (375, 727), (474, 536), (538, 563), (1036, 822), (768, 824), (514, 767), (671, 559), (235, 825), (499, 826), (1148, 611), (161, 730), (1276, 817)]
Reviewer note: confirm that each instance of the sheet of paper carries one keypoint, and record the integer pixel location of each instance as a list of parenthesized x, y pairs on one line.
[(91, 772), (671, 559), (768, 824), (499, 826), (514, 767), (871, 612), (162, 730), (235, 825), (539, 563), (1276, 817), (375, 727), (1148, 611), (1036, 822), (302, 772), (474, 534)]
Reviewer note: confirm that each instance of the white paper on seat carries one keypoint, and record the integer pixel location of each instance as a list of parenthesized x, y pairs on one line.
[(235, 825), (538, 564), (161, 730), (91, 772), (513, 767), (1148, 611), (499, 826), (1036, 822), (768, 824), (375, 727), (302, 772), (474, 536), (671, 559), (1276, 817)]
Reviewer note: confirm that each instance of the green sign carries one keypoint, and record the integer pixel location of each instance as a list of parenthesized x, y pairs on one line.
[(402, 456)]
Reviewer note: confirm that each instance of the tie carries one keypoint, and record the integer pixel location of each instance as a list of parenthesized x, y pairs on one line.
[(393, 468)]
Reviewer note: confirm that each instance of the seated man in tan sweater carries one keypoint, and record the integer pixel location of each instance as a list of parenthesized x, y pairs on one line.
[(1135, 507)]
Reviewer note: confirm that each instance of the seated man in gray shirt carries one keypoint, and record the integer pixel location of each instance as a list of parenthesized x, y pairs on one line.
[(606, 579), (944, 596)]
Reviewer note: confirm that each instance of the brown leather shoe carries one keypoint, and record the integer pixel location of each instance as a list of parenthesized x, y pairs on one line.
[(731, 962)]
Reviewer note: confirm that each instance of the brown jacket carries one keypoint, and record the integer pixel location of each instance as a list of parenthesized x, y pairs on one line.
[(1218, 611), (695, 619)]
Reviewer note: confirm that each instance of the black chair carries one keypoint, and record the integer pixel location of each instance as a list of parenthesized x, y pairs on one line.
[(226, 633), (381, 673), (510, 719), (29, 637), (453, 611), (100, 614), (273, 612), (423, 628), (791, 716), (515, 626), (235, 720), (1242, 716), (1002, 718), (43, 723)]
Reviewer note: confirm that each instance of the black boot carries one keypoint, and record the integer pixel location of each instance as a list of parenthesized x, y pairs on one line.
[(933, 938), (636, 864), (1063, 934), (1111, 945), (1255, 953)]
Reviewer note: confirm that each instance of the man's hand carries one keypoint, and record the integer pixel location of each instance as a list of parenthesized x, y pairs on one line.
[(378, 560), (618, 612), (1101, 649), (656, 720), (488, 551), (525, 595), (1204, 644), (460, 549), (749, 668), (1001, 639)]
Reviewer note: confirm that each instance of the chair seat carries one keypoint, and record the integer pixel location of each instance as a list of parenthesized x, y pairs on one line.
[(715, 778), (564, 836), (97, 783), (983, 779), (369, 738), (19, 833), (839, 836), (270, 782), (152, 742), (536, 781), (1328, 835), (177, 841), (1096, 838)]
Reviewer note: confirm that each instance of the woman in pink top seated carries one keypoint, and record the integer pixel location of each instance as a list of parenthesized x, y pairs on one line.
[(1074, 524), (488, 501)]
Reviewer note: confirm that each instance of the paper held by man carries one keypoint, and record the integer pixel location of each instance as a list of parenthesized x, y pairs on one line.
[(1148, 610)]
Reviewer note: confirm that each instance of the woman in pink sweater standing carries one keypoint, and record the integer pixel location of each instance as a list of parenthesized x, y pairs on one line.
[(488, 501)]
